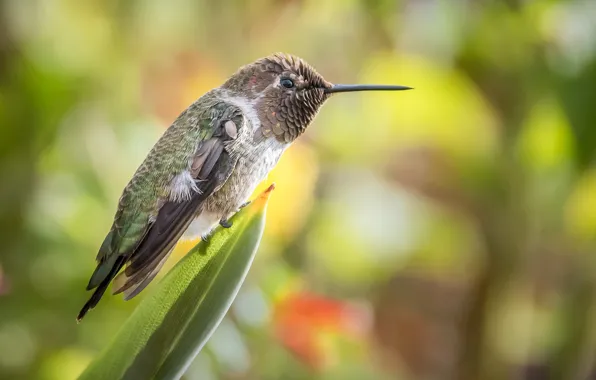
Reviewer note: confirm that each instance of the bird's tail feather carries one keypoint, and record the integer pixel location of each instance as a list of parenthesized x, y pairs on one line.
[(133, 285), (101, 288)]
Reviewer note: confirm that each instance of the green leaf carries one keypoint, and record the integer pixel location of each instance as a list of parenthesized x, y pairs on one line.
[(170, 326)]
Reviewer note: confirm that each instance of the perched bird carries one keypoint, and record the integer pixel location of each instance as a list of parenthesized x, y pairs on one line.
[(206, 165)]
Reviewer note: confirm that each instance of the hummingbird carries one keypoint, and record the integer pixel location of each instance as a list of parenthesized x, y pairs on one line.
[(206, 165)]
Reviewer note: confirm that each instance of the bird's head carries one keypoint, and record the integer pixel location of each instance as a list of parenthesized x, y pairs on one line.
[(288, 93)]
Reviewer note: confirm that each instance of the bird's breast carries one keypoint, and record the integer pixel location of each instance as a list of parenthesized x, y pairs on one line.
[(253, 166)]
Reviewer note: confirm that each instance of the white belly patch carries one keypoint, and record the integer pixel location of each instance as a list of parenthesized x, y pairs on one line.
[(201, 225)]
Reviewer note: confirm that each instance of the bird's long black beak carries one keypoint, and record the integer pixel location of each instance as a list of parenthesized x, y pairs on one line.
[(364, 87)]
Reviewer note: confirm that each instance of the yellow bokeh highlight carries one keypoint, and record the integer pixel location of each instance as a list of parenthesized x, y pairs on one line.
[(445, 109), (295, 177), (580, 210), (65, 364), (546, 141)]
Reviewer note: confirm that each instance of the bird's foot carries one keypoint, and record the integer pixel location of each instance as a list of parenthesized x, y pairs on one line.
[(225, 223), (244, 205)]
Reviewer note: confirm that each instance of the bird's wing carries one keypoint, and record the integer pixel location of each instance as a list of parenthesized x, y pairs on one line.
[(152, 214)]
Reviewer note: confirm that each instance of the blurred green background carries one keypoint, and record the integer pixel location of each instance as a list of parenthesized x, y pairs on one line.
[(442, 233)]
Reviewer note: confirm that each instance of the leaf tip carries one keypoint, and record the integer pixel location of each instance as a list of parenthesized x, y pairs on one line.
[(267, 192), (262, 199)]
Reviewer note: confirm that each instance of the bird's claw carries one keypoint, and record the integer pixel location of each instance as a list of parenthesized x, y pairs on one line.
[(205, 238), (244, 205), (225, 223)]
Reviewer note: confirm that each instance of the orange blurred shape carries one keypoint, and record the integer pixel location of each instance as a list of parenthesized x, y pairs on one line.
[(303, 320)]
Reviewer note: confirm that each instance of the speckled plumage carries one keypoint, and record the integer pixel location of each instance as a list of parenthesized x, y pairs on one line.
[(203, 169)]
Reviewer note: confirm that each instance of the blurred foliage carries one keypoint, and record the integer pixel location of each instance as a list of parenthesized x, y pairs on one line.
[(446, 232)]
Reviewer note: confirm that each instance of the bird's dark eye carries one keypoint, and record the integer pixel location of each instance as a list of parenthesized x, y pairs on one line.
[(287, 83)]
